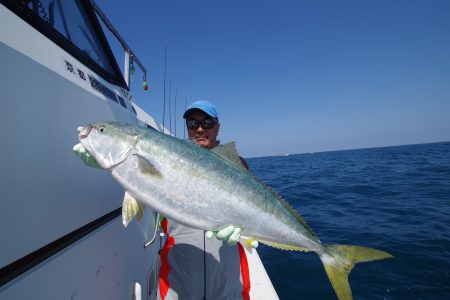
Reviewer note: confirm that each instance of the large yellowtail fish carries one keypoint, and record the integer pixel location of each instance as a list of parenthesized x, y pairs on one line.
[(209, 190)]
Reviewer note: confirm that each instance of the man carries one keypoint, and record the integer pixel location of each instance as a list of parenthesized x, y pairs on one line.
[(194, 265)]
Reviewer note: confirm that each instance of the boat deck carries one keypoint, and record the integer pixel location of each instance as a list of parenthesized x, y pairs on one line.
[(261, 286)]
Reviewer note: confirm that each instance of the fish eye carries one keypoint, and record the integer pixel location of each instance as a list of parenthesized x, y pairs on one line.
[(101, 129)]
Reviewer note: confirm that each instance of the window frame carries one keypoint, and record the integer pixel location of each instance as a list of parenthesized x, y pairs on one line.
[(40, 25)]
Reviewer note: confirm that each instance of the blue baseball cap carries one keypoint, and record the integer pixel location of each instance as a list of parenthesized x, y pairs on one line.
[(205, 106)]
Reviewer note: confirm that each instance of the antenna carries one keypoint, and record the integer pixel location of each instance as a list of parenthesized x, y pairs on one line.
[(184, 127), (170, 108), (165, 72), (175, 112)]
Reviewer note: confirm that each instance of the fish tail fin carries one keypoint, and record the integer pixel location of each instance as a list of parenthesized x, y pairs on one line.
[(339, 260)]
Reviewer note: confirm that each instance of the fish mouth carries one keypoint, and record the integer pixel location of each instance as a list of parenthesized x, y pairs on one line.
[(83, 132)]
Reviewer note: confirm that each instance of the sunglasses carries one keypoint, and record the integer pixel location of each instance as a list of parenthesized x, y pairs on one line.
[(205, 124)]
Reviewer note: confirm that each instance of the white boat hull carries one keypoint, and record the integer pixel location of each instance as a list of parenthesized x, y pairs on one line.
[(47, 192)]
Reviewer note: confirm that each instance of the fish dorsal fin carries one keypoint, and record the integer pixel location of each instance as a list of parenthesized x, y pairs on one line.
[(130, 208), (228, 152)]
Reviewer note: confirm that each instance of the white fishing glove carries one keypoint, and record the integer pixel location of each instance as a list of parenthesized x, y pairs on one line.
[(85, 156), (230, 234)]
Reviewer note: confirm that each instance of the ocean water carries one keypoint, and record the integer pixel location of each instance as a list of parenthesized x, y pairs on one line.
[(396, 199)]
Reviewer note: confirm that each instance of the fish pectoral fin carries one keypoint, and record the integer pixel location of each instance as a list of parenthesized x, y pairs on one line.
[(130, 208), (285, 247), (146, 167)]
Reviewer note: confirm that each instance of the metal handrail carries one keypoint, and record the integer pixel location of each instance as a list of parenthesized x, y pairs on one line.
[(148, 243), (128, 52)]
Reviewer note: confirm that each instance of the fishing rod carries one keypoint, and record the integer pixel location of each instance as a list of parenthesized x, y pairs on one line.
[(184, 127), (165, 77), (175, 111), (170, 107)]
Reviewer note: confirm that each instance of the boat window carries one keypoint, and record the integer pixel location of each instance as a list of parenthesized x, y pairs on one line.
[(70, 20), (122, 101), (150, 127)]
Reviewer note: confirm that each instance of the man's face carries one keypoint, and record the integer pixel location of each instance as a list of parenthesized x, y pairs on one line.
[(204, 137)]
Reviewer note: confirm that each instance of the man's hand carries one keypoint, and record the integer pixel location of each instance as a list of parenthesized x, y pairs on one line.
[(230, 234), (85, 156)]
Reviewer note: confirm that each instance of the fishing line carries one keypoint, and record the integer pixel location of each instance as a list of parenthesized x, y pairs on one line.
[(175, 111), (204, 266)]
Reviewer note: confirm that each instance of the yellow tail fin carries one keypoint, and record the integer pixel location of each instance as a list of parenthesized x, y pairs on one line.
[(339, 260)]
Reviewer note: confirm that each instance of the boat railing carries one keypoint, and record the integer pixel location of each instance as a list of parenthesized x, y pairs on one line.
[(130, 56)]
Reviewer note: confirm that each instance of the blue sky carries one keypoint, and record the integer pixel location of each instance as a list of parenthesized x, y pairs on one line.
[(297, 76)]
